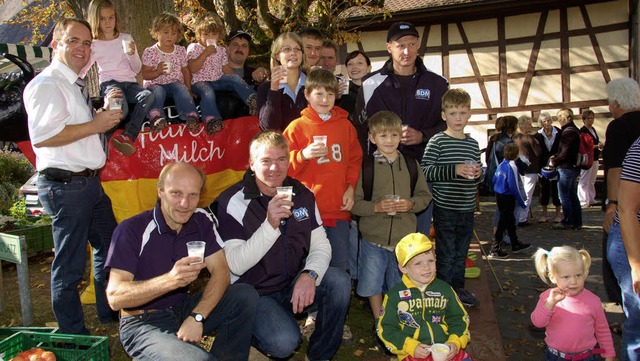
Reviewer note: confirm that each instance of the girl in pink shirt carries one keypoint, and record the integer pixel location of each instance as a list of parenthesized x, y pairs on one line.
[(572, 315), (208, 64), (118, 64), (165, 73)]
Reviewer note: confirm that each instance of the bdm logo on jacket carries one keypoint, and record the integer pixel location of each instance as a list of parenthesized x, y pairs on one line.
[(300, 214), (423, 94)]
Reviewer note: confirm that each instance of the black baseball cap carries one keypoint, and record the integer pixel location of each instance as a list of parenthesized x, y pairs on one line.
[(400, 29), (238, 32)]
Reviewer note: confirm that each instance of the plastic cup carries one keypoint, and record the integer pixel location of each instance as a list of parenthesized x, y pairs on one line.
[(395, 198), (439, 351), (196, 249), (126, 46), (211, 42), (169, 65), (286, 73), (320, 139), (344, 82), (471, 163), (115, 103), (288, 190)]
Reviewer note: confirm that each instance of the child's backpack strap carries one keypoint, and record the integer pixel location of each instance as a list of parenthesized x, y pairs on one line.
[(367, 177), (412, 166), (368, 174)]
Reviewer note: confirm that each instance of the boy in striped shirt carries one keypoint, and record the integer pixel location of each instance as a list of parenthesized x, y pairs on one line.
[(452, 162)]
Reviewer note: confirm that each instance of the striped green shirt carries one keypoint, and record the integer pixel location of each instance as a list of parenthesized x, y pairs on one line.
[(451, 191)]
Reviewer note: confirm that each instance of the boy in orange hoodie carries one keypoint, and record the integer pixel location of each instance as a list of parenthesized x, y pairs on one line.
[(330, 166)]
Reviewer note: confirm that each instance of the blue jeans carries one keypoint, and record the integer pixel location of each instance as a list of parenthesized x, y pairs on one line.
[(617, 257), (354, 249), (181, 97), (378, 270), (453, 232), (339, 239), (548, 356), (152, 336), (276, 332), (206, 91), (568, 193), (80, 211), (136, 94)]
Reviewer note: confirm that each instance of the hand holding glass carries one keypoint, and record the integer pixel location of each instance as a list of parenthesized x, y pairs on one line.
[(115, 103), (288, 191), (471, 164), (126, 46), (343, 84), (392, 197), (439, 351), (320, 139), (168, 65), (285, 74), (196, 249)]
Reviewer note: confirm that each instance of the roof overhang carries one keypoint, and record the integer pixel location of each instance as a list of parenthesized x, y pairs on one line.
[(462, 10)]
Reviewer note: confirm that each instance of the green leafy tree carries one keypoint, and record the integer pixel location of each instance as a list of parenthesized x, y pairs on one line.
[(263, 19)]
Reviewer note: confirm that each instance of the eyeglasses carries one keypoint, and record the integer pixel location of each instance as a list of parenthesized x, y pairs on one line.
[(288, 49), (75, 42)]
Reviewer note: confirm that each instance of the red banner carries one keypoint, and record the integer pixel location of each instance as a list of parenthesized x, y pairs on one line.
[(130, 181)]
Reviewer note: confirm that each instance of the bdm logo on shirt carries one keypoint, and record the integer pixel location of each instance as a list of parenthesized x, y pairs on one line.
[(423, 94), (300, 214)]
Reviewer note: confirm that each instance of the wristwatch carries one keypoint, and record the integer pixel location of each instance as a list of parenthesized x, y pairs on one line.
[(311, 273), (610, 201), (198, 317)]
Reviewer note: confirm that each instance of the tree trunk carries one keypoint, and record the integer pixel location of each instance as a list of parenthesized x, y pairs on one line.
[(136, 16)]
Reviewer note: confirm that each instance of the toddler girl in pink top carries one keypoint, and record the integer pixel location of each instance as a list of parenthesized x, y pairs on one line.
[(165, 73), (208, 64), (573, 316), (118, 64)]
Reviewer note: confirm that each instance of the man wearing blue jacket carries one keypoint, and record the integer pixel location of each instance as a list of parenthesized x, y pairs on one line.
[(509, 190), (406, 87)]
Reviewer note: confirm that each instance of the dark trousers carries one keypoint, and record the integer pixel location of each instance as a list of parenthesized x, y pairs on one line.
[(507, 221)]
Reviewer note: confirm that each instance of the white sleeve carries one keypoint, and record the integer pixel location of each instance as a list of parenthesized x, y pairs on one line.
[(243, 254)]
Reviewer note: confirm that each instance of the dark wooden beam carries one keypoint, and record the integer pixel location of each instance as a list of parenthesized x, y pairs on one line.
[(533, 59), (595, 44), (474, 66)]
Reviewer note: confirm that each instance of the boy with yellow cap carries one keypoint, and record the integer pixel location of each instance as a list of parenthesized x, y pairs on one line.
[(422, 310)]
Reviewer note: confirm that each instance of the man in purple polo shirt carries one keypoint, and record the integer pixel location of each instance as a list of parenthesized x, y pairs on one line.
[(150, 272)]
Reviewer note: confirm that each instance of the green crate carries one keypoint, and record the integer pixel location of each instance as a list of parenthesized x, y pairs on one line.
[(38, 238), (8, 331), (65, 347)]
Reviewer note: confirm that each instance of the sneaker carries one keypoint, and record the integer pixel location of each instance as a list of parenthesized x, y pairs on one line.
[(347, 336), (252, 102), (560, 226), (498, 254), (124, 144), (519, 247), (467, 298), (157, 124), (192, 123), (378, 345), (308, 327), (214, 126)]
